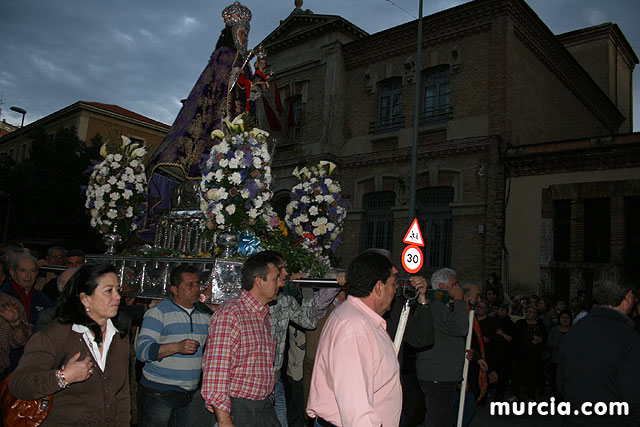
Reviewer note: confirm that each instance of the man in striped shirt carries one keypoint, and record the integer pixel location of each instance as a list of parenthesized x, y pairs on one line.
[(238, 376), (171, 343)]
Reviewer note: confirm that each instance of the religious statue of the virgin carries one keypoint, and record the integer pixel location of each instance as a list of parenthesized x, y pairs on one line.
[(226, 88)]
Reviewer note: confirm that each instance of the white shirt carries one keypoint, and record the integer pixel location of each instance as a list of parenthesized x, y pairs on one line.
[(100, 358)]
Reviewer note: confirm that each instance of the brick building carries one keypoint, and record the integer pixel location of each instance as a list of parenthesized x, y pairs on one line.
[(6, 128), (497, 88), (89, 119), (575, 205)]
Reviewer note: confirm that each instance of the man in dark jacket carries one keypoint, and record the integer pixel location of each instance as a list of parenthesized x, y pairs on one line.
[(439, 368), (24, 270), (599, 358)]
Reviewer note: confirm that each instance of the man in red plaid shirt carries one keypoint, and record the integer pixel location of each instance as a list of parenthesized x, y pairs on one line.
[(237, 366)]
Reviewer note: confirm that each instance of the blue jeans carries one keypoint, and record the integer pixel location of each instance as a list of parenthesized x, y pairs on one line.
[(280, 404), (170, 408)]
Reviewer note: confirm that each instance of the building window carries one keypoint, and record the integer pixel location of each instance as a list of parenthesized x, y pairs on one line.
[(562, 284), (294, 117), (389, 107), (390, 100), (136, 140), (597, 230), (632, 229), (436, 220), (436, 96), (378, 223), (562, 230)]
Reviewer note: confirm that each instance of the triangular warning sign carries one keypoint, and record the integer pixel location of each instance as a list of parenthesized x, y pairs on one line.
[(414, 236)]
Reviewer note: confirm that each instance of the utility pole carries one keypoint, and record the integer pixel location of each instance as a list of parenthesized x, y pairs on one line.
[(416, 119)]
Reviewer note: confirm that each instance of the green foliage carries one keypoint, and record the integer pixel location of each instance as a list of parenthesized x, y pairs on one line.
[(45, 191), (297, 257)]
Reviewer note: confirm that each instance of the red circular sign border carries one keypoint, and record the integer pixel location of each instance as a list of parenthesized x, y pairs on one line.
[(408, 270)]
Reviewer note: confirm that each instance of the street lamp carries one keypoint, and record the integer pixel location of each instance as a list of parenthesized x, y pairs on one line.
[(23, 112)]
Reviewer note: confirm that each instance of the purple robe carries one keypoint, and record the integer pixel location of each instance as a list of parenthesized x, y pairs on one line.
[(179, 155), (190, 135)]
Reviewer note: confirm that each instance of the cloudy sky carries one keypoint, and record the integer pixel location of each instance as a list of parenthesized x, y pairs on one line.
[(145, 55)]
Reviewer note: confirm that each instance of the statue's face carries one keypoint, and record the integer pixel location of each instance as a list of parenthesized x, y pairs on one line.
[(242, 36)]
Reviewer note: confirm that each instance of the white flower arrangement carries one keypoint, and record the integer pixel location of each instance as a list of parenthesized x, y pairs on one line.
[(116, 190), (236, 178), (317, 209)]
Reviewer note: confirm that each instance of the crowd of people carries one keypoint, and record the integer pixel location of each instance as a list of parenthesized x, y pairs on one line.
[(278, 355)]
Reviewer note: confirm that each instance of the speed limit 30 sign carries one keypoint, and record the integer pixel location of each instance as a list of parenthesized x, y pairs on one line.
[(412, 259)]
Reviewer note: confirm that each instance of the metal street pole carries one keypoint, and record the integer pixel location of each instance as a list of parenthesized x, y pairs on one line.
[(416, 118)]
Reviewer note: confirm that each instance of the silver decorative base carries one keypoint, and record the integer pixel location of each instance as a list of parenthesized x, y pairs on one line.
[(111, 240), (149, 278), (228, 241), (181, 230)]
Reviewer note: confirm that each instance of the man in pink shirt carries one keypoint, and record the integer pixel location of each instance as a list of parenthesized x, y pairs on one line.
[(356, 376)]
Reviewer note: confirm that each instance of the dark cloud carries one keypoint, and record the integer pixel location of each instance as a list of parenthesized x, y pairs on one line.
[(146, 55)]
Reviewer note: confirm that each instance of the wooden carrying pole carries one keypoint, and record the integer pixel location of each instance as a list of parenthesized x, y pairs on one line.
[(465, 371)]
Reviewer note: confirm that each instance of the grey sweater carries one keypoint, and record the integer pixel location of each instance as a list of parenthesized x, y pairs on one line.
[(444, 361)]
